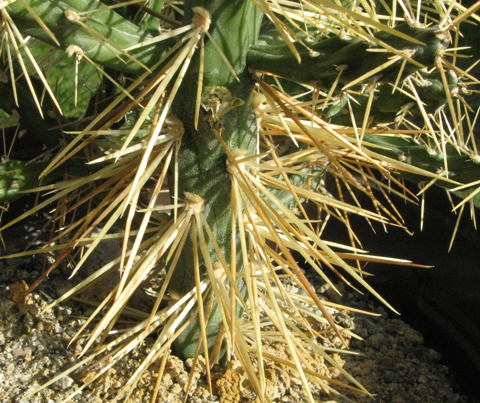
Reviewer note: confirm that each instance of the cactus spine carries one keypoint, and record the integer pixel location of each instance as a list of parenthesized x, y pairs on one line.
[(239, 111)]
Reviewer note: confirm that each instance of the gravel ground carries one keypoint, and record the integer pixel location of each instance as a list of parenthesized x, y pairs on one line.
[(394, 364)]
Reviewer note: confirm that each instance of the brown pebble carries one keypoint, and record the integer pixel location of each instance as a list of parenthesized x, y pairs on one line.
[(397, 399), (412, 336)]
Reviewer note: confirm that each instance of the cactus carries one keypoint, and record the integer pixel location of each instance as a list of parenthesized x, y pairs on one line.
[(232, 119), (325, 57), (17, 176)]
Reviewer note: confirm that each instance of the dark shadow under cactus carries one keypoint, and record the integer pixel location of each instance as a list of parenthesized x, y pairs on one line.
[(442, 302)]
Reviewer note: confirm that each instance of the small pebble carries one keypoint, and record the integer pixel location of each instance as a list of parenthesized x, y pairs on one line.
[(422, 379), (391, 377), (22, 352), (397, 399), (412, 336), (63, 383)]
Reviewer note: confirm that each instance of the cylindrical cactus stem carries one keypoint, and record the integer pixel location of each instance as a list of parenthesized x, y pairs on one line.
[(388, 104), (227, 109), (100, 34), (17, 176), (321, 62), (462, 168)]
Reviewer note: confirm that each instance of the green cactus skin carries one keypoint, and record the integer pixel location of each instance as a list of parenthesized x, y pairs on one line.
[(320, 67), (461, 167), (107, 23), (202, 159), (386, 105), (17, 176), (149, 22)]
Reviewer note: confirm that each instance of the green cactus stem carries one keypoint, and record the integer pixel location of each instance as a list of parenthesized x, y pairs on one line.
[(202, 158), (324, 58), (113, 32), (462, 168), (17, 176), (388, 104)]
